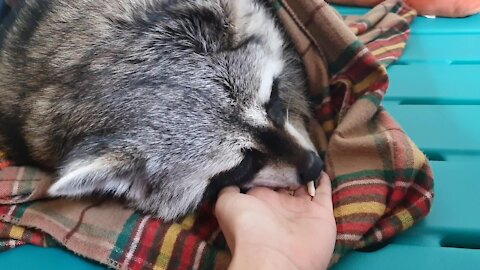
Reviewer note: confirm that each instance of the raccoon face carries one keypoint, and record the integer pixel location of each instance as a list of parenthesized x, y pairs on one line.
[(171, 103), (266, 83), (268, 97)]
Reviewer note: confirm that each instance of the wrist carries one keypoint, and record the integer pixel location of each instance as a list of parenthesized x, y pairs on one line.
[(260, 257)]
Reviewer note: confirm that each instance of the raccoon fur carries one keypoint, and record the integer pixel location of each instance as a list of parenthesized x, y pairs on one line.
[(158, 102)]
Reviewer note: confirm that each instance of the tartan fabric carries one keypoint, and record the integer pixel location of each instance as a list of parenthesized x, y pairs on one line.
[(14, 236), (382, 183), (105, 230)]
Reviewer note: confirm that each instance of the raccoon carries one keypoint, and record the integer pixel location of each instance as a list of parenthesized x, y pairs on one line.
[(159, 102)]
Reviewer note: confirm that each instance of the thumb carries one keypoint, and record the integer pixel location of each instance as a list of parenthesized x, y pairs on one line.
[(224, 200), (324, 192)]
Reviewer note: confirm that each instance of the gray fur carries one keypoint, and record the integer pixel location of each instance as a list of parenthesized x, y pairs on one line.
[(149, 100)]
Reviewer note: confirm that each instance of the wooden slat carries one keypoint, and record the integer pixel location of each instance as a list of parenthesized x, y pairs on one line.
[(32, 257), (440, 128), (434, 84), (412, 257), (347, 10), (443, 49)]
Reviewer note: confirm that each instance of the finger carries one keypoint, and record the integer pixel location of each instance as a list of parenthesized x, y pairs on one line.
[(224, 200), (285, 191), (265, 194), (324, 192), (260, 191), (302, 192), (229, 190)]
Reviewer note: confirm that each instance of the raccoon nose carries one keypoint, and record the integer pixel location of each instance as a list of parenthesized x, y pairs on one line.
[(311, 168)]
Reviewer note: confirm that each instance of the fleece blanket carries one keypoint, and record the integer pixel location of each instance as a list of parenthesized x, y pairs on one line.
[(382, 183)]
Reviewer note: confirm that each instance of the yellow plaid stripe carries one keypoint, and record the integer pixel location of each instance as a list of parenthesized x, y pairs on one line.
[(406, 218), (17, 232), (360, 208), (373, 77), (385, 49), (170, 239)]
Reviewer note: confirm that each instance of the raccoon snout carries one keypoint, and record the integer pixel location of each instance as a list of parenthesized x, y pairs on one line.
[(311, 168)]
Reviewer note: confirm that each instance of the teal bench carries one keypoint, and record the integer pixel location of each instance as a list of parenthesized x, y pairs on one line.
[(435, 95)]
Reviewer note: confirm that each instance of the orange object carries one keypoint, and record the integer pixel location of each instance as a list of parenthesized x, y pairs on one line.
[(442, 8), (446, 8)]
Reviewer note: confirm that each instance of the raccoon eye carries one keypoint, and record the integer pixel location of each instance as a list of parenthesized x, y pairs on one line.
[(275, 108), (306, 120), (274, 92)]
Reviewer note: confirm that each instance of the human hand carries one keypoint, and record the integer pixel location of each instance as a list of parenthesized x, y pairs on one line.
[(274, 230)]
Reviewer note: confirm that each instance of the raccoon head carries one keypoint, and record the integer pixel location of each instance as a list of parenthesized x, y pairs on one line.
[(266, 80), (230, 108)]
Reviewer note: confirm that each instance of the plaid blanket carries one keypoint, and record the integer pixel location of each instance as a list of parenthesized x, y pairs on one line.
[(382, 183)]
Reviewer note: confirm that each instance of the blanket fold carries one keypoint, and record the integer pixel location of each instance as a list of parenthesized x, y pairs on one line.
[(382, 183)]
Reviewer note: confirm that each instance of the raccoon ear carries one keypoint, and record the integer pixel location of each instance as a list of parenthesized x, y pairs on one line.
[(241, 19), (238, 8), (239, 11), (248, 19), (85, 176)]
